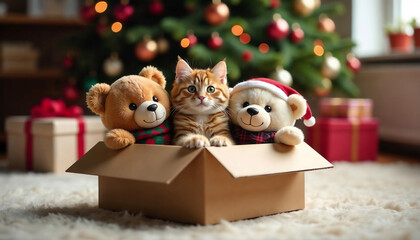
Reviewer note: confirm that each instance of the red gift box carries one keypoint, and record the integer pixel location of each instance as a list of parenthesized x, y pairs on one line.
[(346, 108), (340, 139)]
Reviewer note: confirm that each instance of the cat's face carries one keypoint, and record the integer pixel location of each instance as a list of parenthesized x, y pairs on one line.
[(197, 91)]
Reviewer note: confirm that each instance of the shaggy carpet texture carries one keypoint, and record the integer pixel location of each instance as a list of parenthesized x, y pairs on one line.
[(350, 201)]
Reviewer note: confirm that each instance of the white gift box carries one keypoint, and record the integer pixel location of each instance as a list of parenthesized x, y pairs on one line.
[(50, 144)]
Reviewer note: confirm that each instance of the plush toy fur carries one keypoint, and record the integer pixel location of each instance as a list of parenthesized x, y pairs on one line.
[(255, 118), (112, 103)]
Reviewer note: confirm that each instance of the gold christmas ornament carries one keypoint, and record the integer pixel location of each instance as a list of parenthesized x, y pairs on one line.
[(330, 67), (146, 50), (113, 66), (304, 8), (326, 24), (325, 88), (162, 45), (317, 4), (216, 13), (282, 76)]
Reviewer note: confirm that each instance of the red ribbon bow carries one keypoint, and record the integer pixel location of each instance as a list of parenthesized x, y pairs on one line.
[(55, 108)]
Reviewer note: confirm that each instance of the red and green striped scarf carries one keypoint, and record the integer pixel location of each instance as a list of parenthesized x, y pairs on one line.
[(160, 135), (242, 136)]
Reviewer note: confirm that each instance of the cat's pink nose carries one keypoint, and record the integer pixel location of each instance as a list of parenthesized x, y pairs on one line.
[(201, 98)]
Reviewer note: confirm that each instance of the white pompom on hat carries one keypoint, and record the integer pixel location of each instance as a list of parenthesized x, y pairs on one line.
[(277, 89)]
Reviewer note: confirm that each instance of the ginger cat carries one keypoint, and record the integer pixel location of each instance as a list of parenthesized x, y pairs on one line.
[(199, 99)]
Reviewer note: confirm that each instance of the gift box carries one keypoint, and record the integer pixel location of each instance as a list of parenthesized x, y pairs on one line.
[(204, 185), (340, 139), (346, 108), (50, 144)]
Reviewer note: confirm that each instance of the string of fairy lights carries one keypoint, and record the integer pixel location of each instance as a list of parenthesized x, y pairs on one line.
[(148, 45), (237, 30)]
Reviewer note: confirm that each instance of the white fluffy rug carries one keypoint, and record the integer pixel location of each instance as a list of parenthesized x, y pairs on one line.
[(351, 201)]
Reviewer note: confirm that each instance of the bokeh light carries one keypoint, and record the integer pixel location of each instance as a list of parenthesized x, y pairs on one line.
[(101, 6), (116, 27), (185, 42), (245, 38), (237, 30), (263, 47), (318, 47)]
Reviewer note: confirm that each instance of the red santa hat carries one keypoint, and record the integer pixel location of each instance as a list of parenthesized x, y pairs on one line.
[(277, 89)]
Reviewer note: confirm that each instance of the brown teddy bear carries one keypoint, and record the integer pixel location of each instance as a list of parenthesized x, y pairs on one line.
[(134, 109), (264, 111)]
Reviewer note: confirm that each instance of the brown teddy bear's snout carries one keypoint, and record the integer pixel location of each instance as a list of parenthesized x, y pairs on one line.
[(254, 118), (150, 114)]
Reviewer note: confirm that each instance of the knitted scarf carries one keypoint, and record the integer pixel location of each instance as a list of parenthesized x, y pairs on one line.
[(242, 136), (159, 135)]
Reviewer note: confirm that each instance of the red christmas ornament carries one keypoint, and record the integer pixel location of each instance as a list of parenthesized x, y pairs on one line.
[(277, 29), (156, 8), (247, 56), (215, 42), (216, 13), (297, 33), (353, 63), (274, 4), (68, 62), (88, 13), (123, 12), (70, 92), (146, 50), (192, 38)]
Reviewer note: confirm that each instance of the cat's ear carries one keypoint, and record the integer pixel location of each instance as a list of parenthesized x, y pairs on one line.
[(182, 69), (220, 70)]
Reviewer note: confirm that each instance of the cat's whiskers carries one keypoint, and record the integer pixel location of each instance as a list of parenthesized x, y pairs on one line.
[(176, 109), (221, 109)]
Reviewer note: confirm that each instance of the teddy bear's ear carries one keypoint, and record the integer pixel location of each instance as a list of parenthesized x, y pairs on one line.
[(153, 74), (298, 105), (96, 97)]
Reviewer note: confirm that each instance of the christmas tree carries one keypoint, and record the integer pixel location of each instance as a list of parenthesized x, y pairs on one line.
[(291, 41)]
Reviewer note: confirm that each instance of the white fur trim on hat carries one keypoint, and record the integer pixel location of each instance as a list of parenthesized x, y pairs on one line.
[(309, 122), (259, 84)]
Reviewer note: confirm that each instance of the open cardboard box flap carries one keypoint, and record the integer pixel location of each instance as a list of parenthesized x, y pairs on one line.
[(161, 164), (264, 159)]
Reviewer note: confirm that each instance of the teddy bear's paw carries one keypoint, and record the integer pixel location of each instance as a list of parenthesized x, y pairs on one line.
[(220, 141), (196, 141), (118, 139), (289, 135)]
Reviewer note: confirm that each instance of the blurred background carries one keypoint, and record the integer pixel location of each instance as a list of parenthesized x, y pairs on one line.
[(323, 48)]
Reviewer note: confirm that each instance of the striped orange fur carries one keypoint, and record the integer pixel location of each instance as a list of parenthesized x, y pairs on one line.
[(199, 101)]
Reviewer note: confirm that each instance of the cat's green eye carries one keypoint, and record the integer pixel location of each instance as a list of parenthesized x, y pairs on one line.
[(211, 89), (192, 89)]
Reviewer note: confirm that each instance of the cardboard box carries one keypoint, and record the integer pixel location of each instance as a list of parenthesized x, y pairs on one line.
[(346, 108), (202, 185), (340, 139), (50, 144)]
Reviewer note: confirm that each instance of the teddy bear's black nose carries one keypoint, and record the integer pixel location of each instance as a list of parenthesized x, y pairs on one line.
[(252, 111), (152, 107)]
